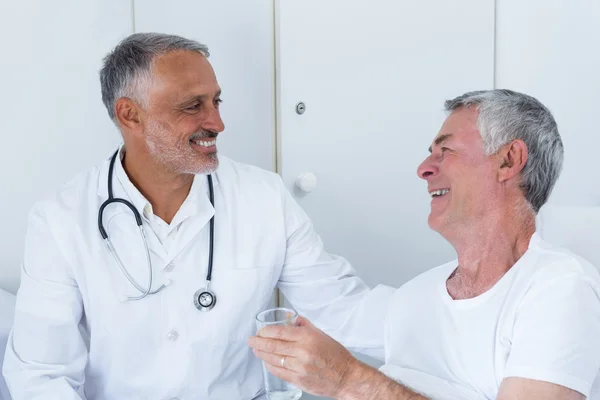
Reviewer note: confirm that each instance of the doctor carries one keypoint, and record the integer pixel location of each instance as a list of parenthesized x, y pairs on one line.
[(142, 277)]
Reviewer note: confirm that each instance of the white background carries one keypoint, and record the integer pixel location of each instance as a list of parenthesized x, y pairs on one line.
[(548, 49)]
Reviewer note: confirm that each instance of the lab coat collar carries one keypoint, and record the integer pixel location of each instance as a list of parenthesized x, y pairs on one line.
[(200, 184), (143, 205)]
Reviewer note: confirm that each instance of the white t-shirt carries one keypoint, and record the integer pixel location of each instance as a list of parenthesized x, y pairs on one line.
[(540, 321)]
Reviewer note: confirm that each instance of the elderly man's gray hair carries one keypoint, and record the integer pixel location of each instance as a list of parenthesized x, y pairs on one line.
[(504, 116), (126, 71)]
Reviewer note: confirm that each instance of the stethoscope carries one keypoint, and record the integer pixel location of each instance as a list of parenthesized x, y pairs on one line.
[(204, 298)]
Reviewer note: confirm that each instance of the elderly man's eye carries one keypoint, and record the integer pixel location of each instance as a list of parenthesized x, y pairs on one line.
[(193, 107), (218, 102)]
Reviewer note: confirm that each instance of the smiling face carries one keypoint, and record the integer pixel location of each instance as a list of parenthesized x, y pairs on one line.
[(461, 178), (182, 120)]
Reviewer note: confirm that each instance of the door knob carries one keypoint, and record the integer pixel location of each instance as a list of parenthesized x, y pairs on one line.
[(306, 182)]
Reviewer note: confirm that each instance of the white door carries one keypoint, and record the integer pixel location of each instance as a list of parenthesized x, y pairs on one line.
[(373, 76)]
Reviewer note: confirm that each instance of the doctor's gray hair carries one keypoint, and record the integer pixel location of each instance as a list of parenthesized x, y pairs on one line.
[(505, 116), (127, 70)]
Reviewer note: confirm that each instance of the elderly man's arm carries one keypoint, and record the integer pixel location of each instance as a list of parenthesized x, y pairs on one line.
[(366, 383), (316, 363)]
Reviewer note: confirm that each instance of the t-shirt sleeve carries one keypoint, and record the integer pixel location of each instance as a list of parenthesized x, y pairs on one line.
[(556, 335)]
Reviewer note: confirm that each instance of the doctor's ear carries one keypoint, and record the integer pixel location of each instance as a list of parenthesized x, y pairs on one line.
[(128, 113), (513, 158)]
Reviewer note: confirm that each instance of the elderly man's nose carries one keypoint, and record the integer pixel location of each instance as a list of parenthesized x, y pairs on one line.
[(427, 169)]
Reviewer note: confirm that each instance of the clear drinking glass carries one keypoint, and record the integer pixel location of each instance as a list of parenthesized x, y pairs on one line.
[(276, 388)]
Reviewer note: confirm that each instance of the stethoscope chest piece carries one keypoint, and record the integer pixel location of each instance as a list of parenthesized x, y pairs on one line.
[(205, 299)]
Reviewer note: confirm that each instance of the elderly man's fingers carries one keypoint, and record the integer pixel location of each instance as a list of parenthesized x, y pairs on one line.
[(283, 373), (282, 332), (272, 346), (278, 360), (301, 321)]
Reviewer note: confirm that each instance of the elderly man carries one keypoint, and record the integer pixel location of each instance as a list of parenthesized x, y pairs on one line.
[(512, 318), (142, 277)]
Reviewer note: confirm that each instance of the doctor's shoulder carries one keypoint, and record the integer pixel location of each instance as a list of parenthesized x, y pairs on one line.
[(65, 202), (250, 180)]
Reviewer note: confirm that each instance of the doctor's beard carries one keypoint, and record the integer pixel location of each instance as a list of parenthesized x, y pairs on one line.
[(177, 156)]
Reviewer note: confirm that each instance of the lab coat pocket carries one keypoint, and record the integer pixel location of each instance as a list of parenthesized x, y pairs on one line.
[(241, 293), (256, 259), (228, 367)]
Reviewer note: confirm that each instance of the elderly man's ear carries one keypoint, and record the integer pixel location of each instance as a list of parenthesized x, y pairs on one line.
[(512, 159)]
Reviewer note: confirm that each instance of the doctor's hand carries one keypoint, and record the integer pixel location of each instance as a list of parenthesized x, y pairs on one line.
[(306, 357)]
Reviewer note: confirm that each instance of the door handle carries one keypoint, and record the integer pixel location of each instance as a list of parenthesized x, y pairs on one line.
[(306, 182)]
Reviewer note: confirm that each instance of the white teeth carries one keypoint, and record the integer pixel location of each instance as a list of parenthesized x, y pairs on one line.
[(205, 144), (440, 192)]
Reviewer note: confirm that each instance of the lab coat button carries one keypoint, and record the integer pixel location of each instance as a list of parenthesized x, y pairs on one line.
[(172, 335)]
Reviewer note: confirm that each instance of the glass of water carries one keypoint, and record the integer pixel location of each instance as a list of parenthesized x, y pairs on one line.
[(276, 388)]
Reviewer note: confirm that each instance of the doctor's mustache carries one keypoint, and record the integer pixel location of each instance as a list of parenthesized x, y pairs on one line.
[(204, 135)]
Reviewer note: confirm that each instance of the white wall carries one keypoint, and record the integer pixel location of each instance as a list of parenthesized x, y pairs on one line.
[(52, 123), (550, 50)]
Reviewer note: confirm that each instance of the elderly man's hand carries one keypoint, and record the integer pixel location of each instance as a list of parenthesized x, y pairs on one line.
[(312, 361)]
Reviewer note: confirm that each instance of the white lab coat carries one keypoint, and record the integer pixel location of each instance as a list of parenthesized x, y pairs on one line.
[(74, 337)]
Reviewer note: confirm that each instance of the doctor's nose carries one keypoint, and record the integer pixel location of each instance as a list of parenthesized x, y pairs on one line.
[(427, 169), (213, 121)]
